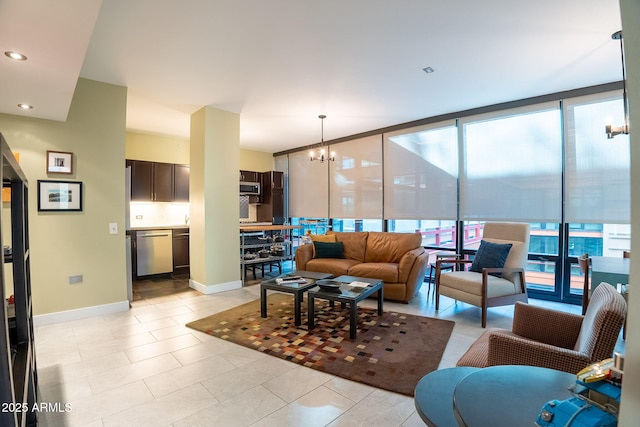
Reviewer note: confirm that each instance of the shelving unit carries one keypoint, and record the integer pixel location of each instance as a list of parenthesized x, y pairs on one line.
[(250, 243), (18, 373)]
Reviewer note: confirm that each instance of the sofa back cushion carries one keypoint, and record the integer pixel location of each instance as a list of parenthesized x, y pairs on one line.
[(328, 249), (390, 247), (355, 243), (321, 238)]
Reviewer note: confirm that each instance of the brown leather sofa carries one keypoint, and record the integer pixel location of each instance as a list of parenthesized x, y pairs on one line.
[(396, 258)]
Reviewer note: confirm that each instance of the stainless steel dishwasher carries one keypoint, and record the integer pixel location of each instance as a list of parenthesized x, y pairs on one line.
[(154, 252)]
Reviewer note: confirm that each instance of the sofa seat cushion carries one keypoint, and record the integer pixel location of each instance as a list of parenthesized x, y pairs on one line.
[(469, 282), (335, 266), (387, 272)]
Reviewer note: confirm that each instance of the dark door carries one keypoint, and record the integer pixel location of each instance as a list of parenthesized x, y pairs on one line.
[(181, 183), (141, 180), (249, 176), (163, 182), (181, 251)]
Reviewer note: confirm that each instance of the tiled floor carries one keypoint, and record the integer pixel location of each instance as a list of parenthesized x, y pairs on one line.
[(145, 368)]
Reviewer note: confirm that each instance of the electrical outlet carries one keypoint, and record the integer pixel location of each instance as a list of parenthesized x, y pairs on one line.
[(113, 228), (75, 279)]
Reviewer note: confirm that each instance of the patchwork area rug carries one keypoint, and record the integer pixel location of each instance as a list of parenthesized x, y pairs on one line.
[(392, 351)]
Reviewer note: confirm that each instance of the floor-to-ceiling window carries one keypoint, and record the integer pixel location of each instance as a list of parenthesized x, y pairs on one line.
[(597, 181), (355, 185), (512, 171), (549, 164), (421, 183)]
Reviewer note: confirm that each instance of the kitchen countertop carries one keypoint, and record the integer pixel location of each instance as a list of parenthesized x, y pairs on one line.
[(159, 227), (269, 227)]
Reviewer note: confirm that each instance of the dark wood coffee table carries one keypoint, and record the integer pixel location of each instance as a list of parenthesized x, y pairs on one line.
[(348, 295), (297, 289)]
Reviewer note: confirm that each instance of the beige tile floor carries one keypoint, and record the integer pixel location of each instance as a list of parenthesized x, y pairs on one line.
[(145, 368)]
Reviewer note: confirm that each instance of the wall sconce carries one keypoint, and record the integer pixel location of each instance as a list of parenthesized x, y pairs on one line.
[(323, 153), (611, 130)]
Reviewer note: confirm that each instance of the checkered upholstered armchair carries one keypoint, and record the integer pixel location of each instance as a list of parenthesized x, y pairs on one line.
[(554, 339)]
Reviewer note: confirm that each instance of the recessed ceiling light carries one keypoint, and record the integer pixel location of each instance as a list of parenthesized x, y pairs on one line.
[(16, 55), (428, 70), (25, 106)]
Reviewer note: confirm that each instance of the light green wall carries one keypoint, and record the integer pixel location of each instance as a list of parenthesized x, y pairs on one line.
[(257, 161), (74, 243), (214, 243), (168, 149), (157, 148)]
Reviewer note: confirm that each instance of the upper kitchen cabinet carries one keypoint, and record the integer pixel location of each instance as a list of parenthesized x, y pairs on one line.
[(158, 182), (181, 183), (249, 176), (163, 182), (141, 180)]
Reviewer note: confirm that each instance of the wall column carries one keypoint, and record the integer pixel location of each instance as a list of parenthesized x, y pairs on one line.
[(629, 409), (214, 201)]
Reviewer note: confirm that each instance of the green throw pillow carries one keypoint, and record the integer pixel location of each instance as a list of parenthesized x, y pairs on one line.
[(329, 249), (490, 255)]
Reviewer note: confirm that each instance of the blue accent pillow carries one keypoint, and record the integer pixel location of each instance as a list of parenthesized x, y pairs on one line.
[(490, 255), (329, 249)]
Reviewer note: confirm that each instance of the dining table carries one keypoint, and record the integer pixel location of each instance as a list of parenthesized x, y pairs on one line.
[(612, 270)]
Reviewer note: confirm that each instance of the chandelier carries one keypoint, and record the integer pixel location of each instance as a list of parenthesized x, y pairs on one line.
[(323, 152)]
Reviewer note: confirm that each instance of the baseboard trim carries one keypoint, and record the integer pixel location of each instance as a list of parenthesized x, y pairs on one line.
[(214, 289), (79, 313)]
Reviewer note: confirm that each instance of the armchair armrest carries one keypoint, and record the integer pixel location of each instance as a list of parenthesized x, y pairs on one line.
[(545, 325), (508, 349), (411, 270), (304, 254), (408, 262), (505, 273)]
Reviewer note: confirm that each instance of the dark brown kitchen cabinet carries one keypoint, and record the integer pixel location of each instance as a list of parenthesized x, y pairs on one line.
[(163, 182), (181, 251), (272, 207), (181, 183), (141, 180), (249, 176), (158, 182)]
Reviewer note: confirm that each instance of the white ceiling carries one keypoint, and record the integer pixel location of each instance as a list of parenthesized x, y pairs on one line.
[(281, 63)]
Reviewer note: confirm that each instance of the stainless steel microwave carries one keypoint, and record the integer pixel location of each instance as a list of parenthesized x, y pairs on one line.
[(250, 188)]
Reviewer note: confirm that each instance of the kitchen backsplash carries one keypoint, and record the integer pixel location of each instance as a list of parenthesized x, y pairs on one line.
[(247, 211), (156, 214)]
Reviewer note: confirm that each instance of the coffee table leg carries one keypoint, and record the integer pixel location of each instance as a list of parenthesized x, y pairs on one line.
[(380, 298), (311, 312), (296, 308), (353, 320), (263, 302)]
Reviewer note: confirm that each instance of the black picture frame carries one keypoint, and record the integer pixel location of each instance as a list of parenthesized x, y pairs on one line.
[(59, 196)]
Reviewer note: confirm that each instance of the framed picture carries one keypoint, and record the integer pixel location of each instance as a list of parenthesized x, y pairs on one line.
[(59, 196), (59, 162)]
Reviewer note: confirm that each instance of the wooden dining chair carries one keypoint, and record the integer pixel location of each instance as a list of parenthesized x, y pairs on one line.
[(585, 262)]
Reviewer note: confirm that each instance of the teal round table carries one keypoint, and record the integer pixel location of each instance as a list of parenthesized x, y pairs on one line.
[(434, 396), (508, 395)]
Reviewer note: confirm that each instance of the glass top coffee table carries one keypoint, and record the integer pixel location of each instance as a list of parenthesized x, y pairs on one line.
[(346, 294), (297, 289)]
